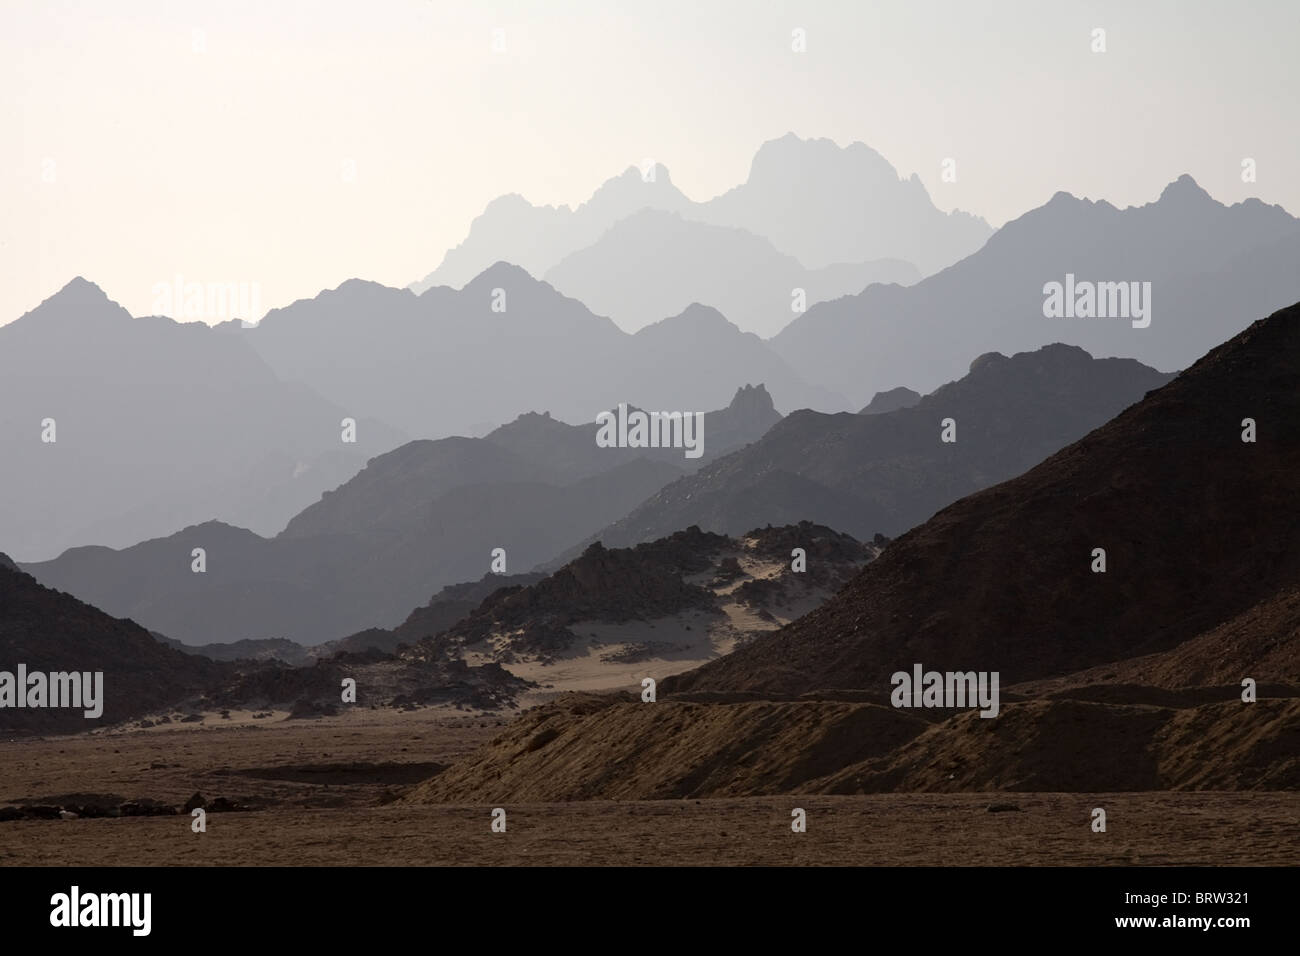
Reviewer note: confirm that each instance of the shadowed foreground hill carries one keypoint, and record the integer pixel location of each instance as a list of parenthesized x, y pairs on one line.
[(1197, 526), (50, 631), (1200, 586)]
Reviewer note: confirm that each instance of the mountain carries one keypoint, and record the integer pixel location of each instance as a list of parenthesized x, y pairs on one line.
[(445, 363), (1200, 583), (1207, 264), (417, 518), (885, 473), (656, 263), (822, 204), (330, 574), (537, 237), (51, 632), (826, 204), (1196, 524), (891, 401), (570, 452), (157, 424)]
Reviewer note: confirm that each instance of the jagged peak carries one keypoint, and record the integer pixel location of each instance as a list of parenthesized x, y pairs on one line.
[(751, 397)]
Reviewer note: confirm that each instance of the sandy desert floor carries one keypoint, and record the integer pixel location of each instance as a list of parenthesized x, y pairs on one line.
[(325, 789)]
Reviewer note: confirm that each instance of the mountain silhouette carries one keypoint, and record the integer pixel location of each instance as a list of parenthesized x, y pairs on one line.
[(537, 237), (656, 263), (445, 363), (884, 473), (891, 401), (422, 516), (826, 204), (1208, 265), (157, 424), (822, 204)]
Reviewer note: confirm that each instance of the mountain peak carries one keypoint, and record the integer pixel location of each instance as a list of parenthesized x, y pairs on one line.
[(80, 292), (498, 273), (1184, 188), (790, 155), (752, 398), (891, 401), (698, 313), (77, 301)]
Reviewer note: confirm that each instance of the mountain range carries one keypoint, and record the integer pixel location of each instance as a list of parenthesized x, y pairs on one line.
[(424, 515), (812, 200), (447, 362), (1207, 265), (656, 263), (1198, 592), (155, 424), (886, 472)]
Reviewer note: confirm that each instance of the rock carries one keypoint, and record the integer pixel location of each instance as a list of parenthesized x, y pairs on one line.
[(1003, 808)]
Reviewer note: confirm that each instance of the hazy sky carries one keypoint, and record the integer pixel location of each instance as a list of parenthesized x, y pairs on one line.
[(139, 140)]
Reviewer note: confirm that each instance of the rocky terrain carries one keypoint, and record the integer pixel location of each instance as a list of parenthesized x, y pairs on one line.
[(1006, 580), (612, 615)]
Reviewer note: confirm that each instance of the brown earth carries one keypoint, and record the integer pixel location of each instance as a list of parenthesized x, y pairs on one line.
[(1147, 829), (586, 747)]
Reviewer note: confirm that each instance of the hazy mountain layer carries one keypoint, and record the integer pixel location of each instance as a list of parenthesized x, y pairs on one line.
[(884, 473), (155, 425), (1207, 265)]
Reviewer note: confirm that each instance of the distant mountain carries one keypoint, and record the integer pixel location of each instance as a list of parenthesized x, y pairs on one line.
[(157, 424), (884, 473), (537, 237), (446, 363), (569, 452), (818, 202), (1207, 264), (826, 204), (656, 263), (891, 401), (325, 585), (444, 609), (413, 520)]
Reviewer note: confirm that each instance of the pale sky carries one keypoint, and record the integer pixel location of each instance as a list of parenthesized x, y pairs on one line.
[(142, 139)]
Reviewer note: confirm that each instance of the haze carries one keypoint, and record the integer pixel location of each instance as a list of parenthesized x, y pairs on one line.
[(212, 141)]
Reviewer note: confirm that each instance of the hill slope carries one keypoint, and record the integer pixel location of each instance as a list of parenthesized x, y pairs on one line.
[(885, 473), (1198, 526)]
